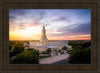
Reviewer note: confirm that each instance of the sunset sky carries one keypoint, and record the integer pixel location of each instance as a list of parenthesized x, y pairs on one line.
[(60, 24)]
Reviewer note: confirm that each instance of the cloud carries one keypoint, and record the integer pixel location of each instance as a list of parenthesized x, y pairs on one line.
[(15, 12), (12, 23), (59, 22), (28, 25), (12, 18), (59, 18), (81, 36), (84, 28), (71, 30)]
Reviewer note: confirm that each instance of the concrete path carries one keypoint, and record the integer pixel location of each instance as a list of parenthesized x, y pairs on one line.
[(54, 59)]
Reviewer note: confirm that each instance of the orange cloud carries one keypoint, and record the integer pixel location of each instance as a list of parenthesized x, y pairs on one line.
[(78, 36)]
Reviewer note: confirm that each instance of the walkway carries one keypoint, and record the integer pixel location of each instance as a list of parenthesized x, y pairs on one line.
[(55, 59)]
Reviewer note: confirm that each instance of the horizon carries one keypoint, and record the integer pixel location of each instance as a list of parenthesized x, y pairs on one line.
[(60, 24)]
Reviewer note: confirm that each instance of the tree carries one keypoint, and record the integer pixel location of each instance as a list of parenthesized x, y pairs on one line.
[(75, 43), (48, 50), (10, 46), (80, 56), (79, 44), (30, 49), (86, 44), (44, 52), (27, 57), (64, 48), (12, 42), (17, 49), (78, 47)]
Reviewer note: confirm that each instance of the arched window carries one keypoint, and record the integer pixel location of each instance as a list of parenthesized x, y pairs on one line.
[(45, 42)]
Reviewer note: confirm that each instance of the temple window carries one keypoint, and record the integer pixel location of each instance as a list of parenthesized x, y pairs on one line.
[(45, 42)]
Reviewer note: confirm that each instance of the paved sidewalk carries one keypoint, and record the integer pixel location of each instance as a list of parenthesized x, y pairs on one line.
[(53, 59)]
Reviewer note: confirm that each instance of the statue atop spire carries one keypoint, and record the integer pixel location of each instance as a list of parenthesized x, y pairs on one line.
[(43, 25)]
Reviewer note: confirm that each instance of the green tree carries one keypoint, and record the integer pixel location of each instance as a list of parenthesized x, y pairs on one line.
[(86, 44), (30, 49), (17, 50), (80, 56), (78, 47), (10, 46), (64, 48), (27, 57), (44, 52), (75, 43), (80, 44), (48, 50), (12, 42)]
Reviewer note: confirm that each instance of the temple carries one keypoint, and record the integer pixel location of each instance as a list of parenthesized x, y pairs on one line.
[(44, 44)]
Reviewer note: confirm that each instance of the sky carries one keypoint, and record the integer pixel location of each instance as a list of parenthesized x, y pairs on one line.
[(60, 24)]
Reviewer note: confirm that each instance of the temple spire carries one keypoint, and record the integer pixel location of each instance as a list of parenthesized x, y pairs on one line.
[(43, 36)]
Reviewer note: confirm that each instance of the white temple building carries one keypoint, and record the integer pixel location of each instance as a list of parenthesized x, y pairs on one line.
[(45, 44)]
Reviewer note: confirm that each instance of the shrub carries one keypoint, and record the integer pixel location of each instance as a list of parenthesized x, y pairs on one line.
[(44, 52), (48, 50), (64, 48)]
